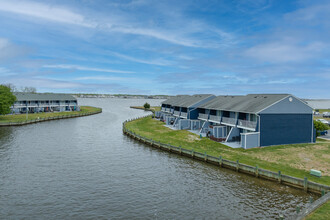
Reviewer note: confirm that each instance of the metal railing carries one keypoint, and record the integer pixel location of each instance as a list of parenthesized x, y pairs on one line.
[(184, 114), (177, 113), (215, 118), (247, 124), (231, 121), (203, 116)]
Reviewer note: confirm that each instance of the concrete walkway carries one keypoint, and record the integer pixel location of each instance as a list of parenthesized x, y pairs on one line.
[(232, 144)]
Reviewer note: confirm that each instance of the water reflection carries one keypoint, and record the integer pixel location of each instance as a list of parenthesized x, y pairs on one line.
[(85, 168)]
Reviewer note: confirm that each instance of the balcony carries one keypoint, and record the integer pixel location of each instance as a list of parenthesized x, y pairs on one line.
[(184, 114), (247, 124), (215, 118), (229, 121), (163, 109), (203, 116), (176, 113)]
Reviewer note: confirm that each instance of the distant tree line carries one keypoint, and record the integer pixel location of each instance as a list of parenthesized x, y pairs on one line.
[(28, 89)]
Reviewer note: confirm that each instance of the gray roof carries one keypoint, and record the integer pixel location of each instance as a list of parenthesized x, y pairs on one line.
[(318, 103), (252, 103), (174, 100), (21, 96), (191, 100)]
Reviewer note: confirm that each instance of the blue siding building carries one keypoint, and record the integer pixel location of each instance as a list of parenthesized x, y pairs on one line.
[(248, 121)]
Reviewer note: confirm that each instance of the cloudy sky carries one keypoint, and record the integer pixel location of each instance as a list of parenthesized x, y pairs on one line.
[(167, 47)]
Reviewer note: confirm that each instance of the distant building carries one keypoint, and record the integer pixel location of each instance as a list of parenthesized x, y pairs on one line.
[(248, 121), (318, 103), (44, 102)]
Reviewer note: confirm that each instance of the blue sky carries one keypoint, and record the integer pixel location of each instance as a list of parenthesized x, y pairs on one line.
[(167, 47)]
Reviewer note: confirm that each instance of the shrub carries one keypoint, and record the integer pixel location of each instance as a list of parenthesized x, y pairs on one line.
[(146, 105)]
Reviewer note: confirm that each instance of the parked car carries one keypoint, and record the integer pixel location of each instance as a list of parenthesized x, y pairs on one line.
[(326, 114), (323, 132), (323, 121)]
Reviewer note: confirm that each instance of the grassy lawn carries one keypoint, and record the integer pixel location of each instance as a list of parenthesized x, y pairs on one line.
[(152, 108), (32, 116), (321, 213), (294, 160)]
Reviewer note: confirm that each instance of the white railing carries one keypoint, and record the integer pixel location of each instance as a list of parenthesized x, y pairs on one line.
[(215, 118), (247, 124), (184, 114), (203, 116), (163, 109), (177, 113), (231, 121)]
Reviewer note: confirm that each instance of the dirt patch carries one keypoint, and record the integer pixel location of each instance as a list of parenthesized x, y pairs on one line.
[(304, 158), (313, 163), (192, 138)]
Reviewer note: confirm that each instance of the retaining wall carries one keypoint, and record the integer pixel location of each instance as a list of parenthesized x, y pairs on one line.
[(304, 184), (48, 119)]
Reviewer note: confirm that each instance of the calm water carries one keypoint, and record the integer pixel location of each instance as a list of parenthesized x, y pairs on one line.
[(84, 168)]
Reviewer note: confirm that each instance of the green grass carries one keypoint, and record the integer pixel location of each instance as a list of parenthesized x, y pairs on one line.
[(152, 108), (322, 213), (33, 116), (294, 160), (323, 110)]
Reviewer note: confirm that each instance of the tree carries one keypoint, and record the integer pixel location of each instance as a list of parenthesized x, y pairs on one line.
[(7, 99), (29, 89), (146, 105), (12, 87), (319, 126)]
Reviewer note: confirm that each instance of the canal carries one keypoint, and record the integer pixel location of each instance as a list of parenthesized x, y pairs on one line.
[(85, 168)]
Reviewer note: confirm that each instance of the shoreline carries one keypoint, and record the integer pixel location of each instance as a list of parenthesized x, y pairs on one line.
[(74, 115), (295, 182)]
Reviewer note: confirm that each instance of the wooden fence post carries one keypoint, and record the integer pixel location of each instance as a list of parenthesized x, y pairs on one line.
[(279, 176), (305, 184), (220, 161)]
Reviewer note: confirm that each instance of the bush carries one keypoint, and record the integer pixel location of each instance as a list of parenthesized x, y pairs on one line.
[(319, 126), (146, 105)]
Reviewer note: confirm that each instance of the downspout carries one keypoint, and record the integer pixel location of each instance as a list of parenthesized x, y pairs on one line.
[(259, 129), (312, 139)]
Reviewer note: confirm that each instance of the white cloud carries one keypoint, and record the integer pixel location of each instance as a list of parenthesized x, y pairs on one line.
[(48, 12), (9, 50), (113, 78), (119, 23), (3, 43), (83, 68), (284, 52), (159, 62), (161, 35)]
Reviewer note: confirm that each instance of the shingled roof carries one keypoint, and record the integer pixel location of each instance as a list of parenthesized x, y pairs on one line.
[(252, 103), (22, 96), (191, 100), (175, 100)]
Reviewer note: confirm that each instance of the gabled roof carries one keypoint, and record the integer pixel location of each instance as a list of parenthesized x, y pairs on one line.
[(192, 100), (252, 103), (174, 100), (22, 96)]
